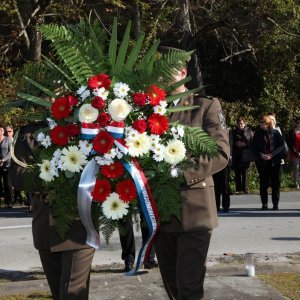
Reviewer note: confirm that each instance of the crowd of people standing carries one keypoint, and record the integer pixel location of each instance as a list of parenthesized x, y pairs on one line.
[(267, 147)]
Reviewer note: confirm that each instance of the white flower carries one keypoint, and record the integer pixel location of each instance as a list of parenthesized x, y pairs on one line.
[(174, 172), (154, 141), (40, 137), (121, 89), (132, 134), (85, 147), (174, 152), (159, 109), (139, 146), (81, 89), (119, 109), (87, 113), (159, 150), (57, 154), (46, 142), (72, 159), (85, 94), (177, 132), (114, 208), (163, 103), (45, 171), (101, 161), (51, 123), (102, 92)]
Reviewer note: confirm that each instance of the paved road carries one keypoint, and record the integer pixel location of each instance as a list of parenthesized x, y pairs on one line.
[(244, 229)]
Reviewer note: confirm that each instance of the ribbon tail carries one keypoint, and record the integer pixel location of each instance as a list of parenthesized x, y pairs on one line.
[(84, 202), (149, 210)]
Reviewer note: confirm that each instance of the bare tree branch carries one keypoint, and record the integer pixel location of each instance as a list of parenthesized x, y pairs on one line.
[(236, 54), (281, 29)]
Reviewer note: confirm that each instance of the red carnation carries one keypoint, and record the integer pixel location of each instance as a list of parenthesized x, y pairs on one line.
[(103, 142), (139, 99), (127, 190), (98, 103), (60, 108), (103, 119), (73, 129), (98, 81), (140, 126), (114, 170), (101, 190), (59, 135), (72, 100), (158, 124), (155, 94)]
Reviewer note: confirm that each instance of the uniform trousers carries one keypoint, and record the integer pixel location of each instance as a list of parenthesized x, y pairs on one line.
[(68, 273), (182, 262)]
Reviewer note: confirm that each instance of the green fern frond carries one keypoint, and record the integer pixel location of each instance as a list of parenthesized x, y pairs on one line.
[(199, 142), (40, 87), (36, 100), (107, 227)]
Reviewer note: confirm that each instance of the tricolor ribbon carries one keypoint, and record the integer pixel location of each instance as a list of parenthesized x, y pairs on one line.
[(148, 207), (89, 130)]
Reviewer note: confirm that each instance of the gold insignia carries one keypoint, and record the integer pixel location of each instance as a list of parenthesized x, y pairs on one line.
[(185, 103)]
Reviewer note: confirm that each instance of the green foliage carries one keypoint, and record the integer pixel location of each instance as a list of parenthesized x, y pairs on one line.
[(198, 142)]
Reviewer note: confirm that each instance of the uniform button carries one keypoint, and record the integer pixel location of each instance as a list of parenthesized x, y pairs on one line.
[(203, 184), (185, 103)]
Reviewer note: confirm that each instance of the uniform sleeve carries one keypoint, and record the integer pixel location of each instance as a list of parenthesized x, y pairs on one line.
[(213, 123)]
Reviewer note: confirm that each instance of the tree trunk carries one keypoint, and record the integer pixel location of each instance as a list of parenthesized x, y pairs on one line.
[(194, 65), (136, 19)]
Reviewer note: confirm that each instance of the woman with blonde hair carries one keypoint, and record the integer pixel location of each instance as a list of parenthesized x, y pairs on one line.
[(268, 148)]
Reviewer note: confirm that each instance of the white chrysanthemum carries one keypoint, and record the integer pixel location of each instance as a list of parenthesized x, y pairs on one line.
[(87, 113), (81, 90), (159, 149), (85, 95), (174, 172), (101, 92), (119, 109), (180, 130), (158, 109), (132, 135), (40, 137), (85, 147), (101, 161), (46, 142), (174, 152), (54, 169), (121, 89), (158, 157), (72, 159), (154, 141), (163, 103), (45, 171), (114, 208), (177, 132), (51, 123), (57, 154), (139, 146)]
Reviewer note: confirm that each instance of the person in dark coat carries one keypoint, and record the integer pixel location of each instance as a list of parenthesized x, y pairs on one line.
[(241, 141), (268, 148)]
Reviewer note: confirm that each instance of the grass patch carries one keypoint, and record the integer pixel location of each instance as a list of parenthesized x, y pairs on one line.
[(35, 296), (288, 284)]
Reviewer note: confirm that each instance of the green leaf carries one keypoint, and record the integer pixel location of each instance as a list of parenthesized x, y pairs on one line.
[(144, 61), (40, 87), (112, 51), (180, 95), (181, 108), (34, 99), (133, 56), (122, 51)]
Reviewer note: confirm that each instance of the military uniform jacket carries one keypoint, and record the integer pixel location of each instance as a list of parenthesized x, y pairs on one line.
[(199, 211)]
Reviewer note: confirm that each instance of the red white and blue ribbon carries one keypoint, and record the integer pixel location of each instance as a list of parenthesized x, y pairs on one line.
[(149, 210), (89, 130)]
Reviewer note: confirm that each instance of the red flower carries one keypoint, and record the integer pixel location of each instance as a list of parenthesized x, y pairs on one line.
[(72, 100), (114, 170), (98, 81), (155, 94), (127, 190), (59, 135), (140, 126), (158, 124), (101, 190), (103, 119), (60, 108), (73, 129), (98, 103), (103, 142), (139, 99)]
